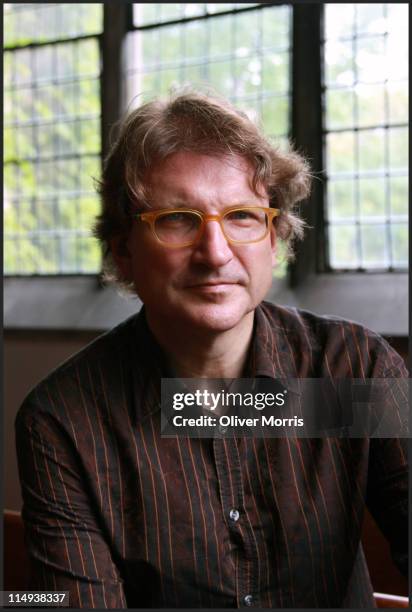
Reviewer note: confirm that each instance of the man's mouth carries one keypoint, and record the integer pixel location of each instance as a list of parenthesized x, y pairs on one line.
[(220, 283), (212, 286)]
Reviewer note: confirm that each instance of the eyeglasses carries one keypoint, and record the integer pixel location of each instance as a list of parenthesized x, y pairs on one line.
[(183, 227)]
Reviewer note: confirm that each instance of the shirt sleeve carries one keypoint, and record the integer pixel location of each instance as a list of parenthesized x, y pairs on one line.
[(387, 492), (66, 545)]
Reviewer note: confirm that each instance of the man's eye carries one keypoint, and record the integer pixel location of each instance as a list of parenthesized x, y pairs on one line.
[(241, 215), (174, 218)]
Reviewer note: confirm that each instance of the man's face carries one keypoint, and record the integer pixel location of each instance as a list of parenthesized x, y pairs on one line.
[(212, 285)]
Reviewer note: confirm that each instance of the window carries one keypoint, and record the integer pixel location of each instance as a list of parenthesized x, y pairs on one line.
[(51, 137), (366, 100), (332, 77)]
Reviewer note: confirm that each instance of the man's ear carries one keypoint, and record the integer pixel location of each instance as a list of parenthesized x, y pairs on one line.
[(122, 257)]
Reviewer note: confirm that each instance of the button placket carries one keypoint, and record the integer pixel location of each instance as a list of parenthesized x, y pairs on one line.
[(229, 472)]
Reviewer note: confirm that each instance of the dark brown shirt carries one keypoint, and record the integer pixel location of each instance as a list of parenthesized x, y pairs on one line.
[(121, 517)]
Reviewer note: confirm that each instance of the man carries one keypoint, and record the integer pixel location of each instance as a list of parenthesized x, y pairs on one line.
[(194, 202)]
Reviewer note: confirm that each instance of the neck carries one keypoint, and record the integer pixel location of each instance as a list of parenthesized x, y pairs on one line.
[(204, 354)]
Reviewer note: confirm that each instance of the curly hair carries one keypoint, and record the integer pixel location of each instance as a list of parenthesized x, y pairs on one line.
[(201, 123)]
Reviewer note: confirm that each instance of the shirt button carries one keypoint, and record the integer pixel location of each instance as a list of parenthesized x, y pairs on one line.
[(234, 515), (248, 600)]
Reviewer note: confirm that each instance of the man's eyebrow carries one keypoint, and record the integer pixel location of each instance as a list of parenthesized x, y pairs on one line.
[(177, 204), (250, 202)]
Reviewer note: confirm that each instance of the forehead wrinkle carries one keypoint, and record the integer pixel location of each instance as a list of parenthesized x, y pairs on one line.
[(208, 190), (179, 195)]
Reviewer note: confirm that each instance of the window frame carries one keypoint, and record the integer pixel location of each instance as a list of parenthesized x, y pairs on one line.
[(53, 43), (51, 302)]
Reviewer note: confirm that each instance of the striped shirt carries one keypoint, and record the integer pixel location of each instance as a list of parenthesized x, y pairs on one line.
[(121, 517)]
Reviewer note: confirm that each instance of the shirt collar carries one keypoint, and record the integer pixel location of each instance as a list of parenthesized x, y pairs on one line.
[(148, 367), (270, 353)]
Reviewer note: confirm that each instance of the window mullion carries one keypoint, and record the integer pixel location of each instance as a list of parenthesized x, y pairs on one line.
[(306, 133), (116, 21)]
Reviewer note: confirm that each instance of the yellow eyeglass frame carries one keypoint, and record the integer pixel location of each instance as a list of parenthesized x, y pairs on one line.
[(151, 216)]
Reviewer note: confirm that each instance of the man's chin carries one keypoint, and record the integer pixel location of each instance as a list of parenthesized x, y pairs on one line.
[(214, 317)]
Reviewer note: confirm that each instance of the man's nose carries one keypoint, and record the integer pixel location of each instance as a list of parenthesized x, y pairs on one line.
[(212, 249)]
